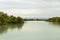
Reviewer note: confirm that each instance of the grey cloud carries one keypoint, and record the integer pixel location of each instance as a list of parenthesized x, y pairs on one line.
[(48, 5), (29, 5)]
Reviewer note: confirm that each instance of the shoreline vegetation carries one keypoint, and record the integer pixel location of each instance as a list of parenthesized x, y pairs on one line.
[(54, 19), (33, 19), (6, 19)]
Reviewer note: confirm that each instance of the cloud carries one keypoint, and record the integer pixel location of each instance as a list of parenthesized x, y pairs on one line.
[(30, 4), (44, 7), (25, 11), (10, 0)]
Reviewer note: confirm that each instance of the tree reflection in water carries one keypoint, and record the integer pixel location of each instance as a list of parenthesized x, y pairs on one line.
[(55, 24), (4, 28)]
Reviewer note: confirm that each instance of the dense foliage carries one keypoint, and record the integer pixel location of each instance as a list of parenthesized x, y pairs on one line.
[(5, 19), (54, 19)]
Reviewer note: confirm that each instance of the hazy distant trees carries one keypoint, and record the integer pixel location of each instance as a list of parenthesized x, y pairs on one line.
[(4, 19), (34, 19)]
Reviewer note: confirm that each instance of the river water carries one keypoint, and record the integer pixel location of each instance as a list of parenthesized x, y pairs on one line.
[(31, 30)]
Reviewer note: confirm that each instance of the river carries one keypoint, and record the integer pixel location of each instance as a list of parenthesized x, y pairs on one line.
[(31, 30)]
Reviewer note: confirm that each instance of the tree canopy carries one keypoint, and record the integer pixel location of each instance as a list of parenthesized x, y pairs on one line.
[(54, 19), (5, 19)]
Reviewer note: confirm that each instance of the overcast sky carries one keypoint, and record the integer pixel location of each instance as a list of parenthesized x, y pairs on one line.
[(31, 8)]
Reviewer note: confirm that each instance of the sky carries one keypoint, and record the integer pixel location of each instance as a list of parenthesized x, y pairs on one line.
[(31, 8)]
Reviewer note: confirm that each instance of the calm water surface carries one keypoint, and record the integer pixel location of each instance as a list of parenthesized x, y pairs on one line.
[(31, 30)]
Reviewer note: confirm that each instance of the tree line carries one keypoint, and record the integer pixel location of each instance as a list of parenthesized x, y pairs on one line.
[(54, 19), (5, 19)]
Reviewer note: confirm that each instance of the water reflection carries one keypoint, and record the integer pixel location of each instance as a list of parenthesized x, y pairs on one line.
[(55, 23), (4, 28)]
